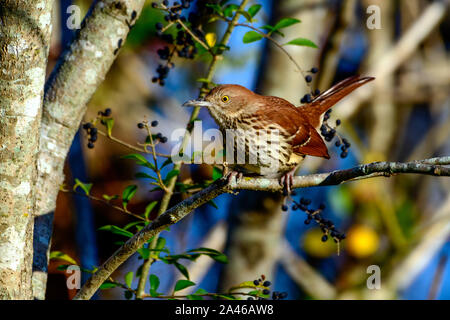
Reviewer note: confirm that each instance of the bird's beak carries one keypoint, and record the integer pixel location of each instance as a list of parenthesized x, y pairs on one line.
[(197, 103)]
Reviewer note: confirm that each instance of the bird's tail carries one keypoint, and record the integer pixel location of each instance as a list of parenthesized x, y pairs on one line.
[(327, 99)]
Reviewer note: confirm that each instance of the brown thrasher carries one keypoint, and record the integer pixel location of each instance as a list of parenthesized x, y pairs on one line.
[(235, 107)]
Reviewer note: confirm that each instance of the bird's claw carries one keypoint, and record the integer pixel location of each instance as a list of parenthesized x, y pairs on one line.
[(287, 181), (232, 174)]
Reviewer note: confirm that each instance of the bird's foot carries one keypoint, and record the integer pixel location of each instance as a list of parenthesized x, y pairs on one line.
[(232, 174), (287, 181)]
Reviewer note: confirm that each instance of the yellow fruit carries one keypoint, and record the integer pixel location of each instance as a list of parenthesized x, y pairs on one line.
[(211, 39), (362, 241)]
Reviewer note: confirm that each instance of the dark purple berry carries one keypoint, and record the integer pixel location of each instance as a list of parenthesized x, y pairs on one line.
[(107, 112), (140, 125)]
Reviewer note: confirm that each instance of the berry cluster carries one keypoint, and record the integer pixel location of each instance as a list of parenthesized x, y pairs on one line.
[(157, 137), (265, 283), (307, 98), (183, 44), (327, 226), (92, 134), (329, 132), (91, 130)]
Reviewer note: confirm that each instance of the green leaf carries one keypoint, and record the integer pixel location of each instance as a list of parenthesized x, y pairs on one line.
[(271, 30), (251, 36), (200, 291), (168, 161), (228, 10), (144, 176), (160, 243), (214, 254), (116, 230), (286, 22), (108, 285), (149, 208), (140, 160), (205, 250), (109, 123), (247, 284), (132, 224), (302, 42), (127, 194), (213, 204), (182, 269), (194, 297), (181, 284), (172, 174), (154, 284), (109, 198), (197, 294), (129, 279), (246, 15), (63, 267), (144, 253), (254, 9), (85, 186), (62, 256), (216, 174)]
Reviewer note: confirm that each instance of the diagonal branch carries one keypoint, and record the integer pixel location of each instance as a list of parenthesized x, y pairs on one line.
[(433, 167)]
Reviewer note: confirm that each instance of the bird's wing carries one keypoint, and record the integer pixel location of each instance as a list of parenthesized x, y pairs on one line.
[(302, 136)]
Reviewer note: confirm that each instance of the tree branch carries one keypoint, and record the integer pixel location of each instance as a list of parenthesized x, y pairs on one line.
[(176, 213)]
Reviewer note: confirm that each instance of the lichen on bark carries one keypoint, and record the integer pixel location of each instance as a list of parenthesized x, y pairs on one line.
[(24, 42)]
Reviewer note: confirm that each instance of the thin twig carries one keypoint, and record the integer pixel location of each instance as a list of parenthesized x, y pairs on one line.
[(266, 36), (204, 45), (105, 202), (155, 160), (130, 146)]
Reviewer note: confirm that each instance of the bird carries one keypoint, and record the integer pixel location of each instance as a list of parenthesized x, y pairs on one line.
[(234, 107)]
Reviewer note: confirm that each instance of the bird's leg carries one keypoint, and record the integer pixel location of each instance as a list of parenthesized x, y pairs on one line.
[(287, 181), (230, 174)]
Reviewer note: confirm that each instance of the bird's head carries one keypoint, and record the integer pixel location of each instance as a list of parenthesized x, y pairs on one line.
[(226, 101)]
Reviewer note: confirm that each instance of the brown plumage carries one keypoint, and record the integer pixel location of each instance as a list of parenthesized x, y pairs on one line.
[(235, 107)]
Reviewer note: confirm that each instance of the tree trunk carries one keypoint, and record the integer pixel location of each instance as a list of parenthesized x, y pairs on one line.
[(24, 43), (70, 87)]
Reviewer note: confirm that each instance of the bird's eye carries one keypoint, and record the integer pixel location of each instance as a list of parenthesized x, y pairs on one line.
[(225, 98)]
